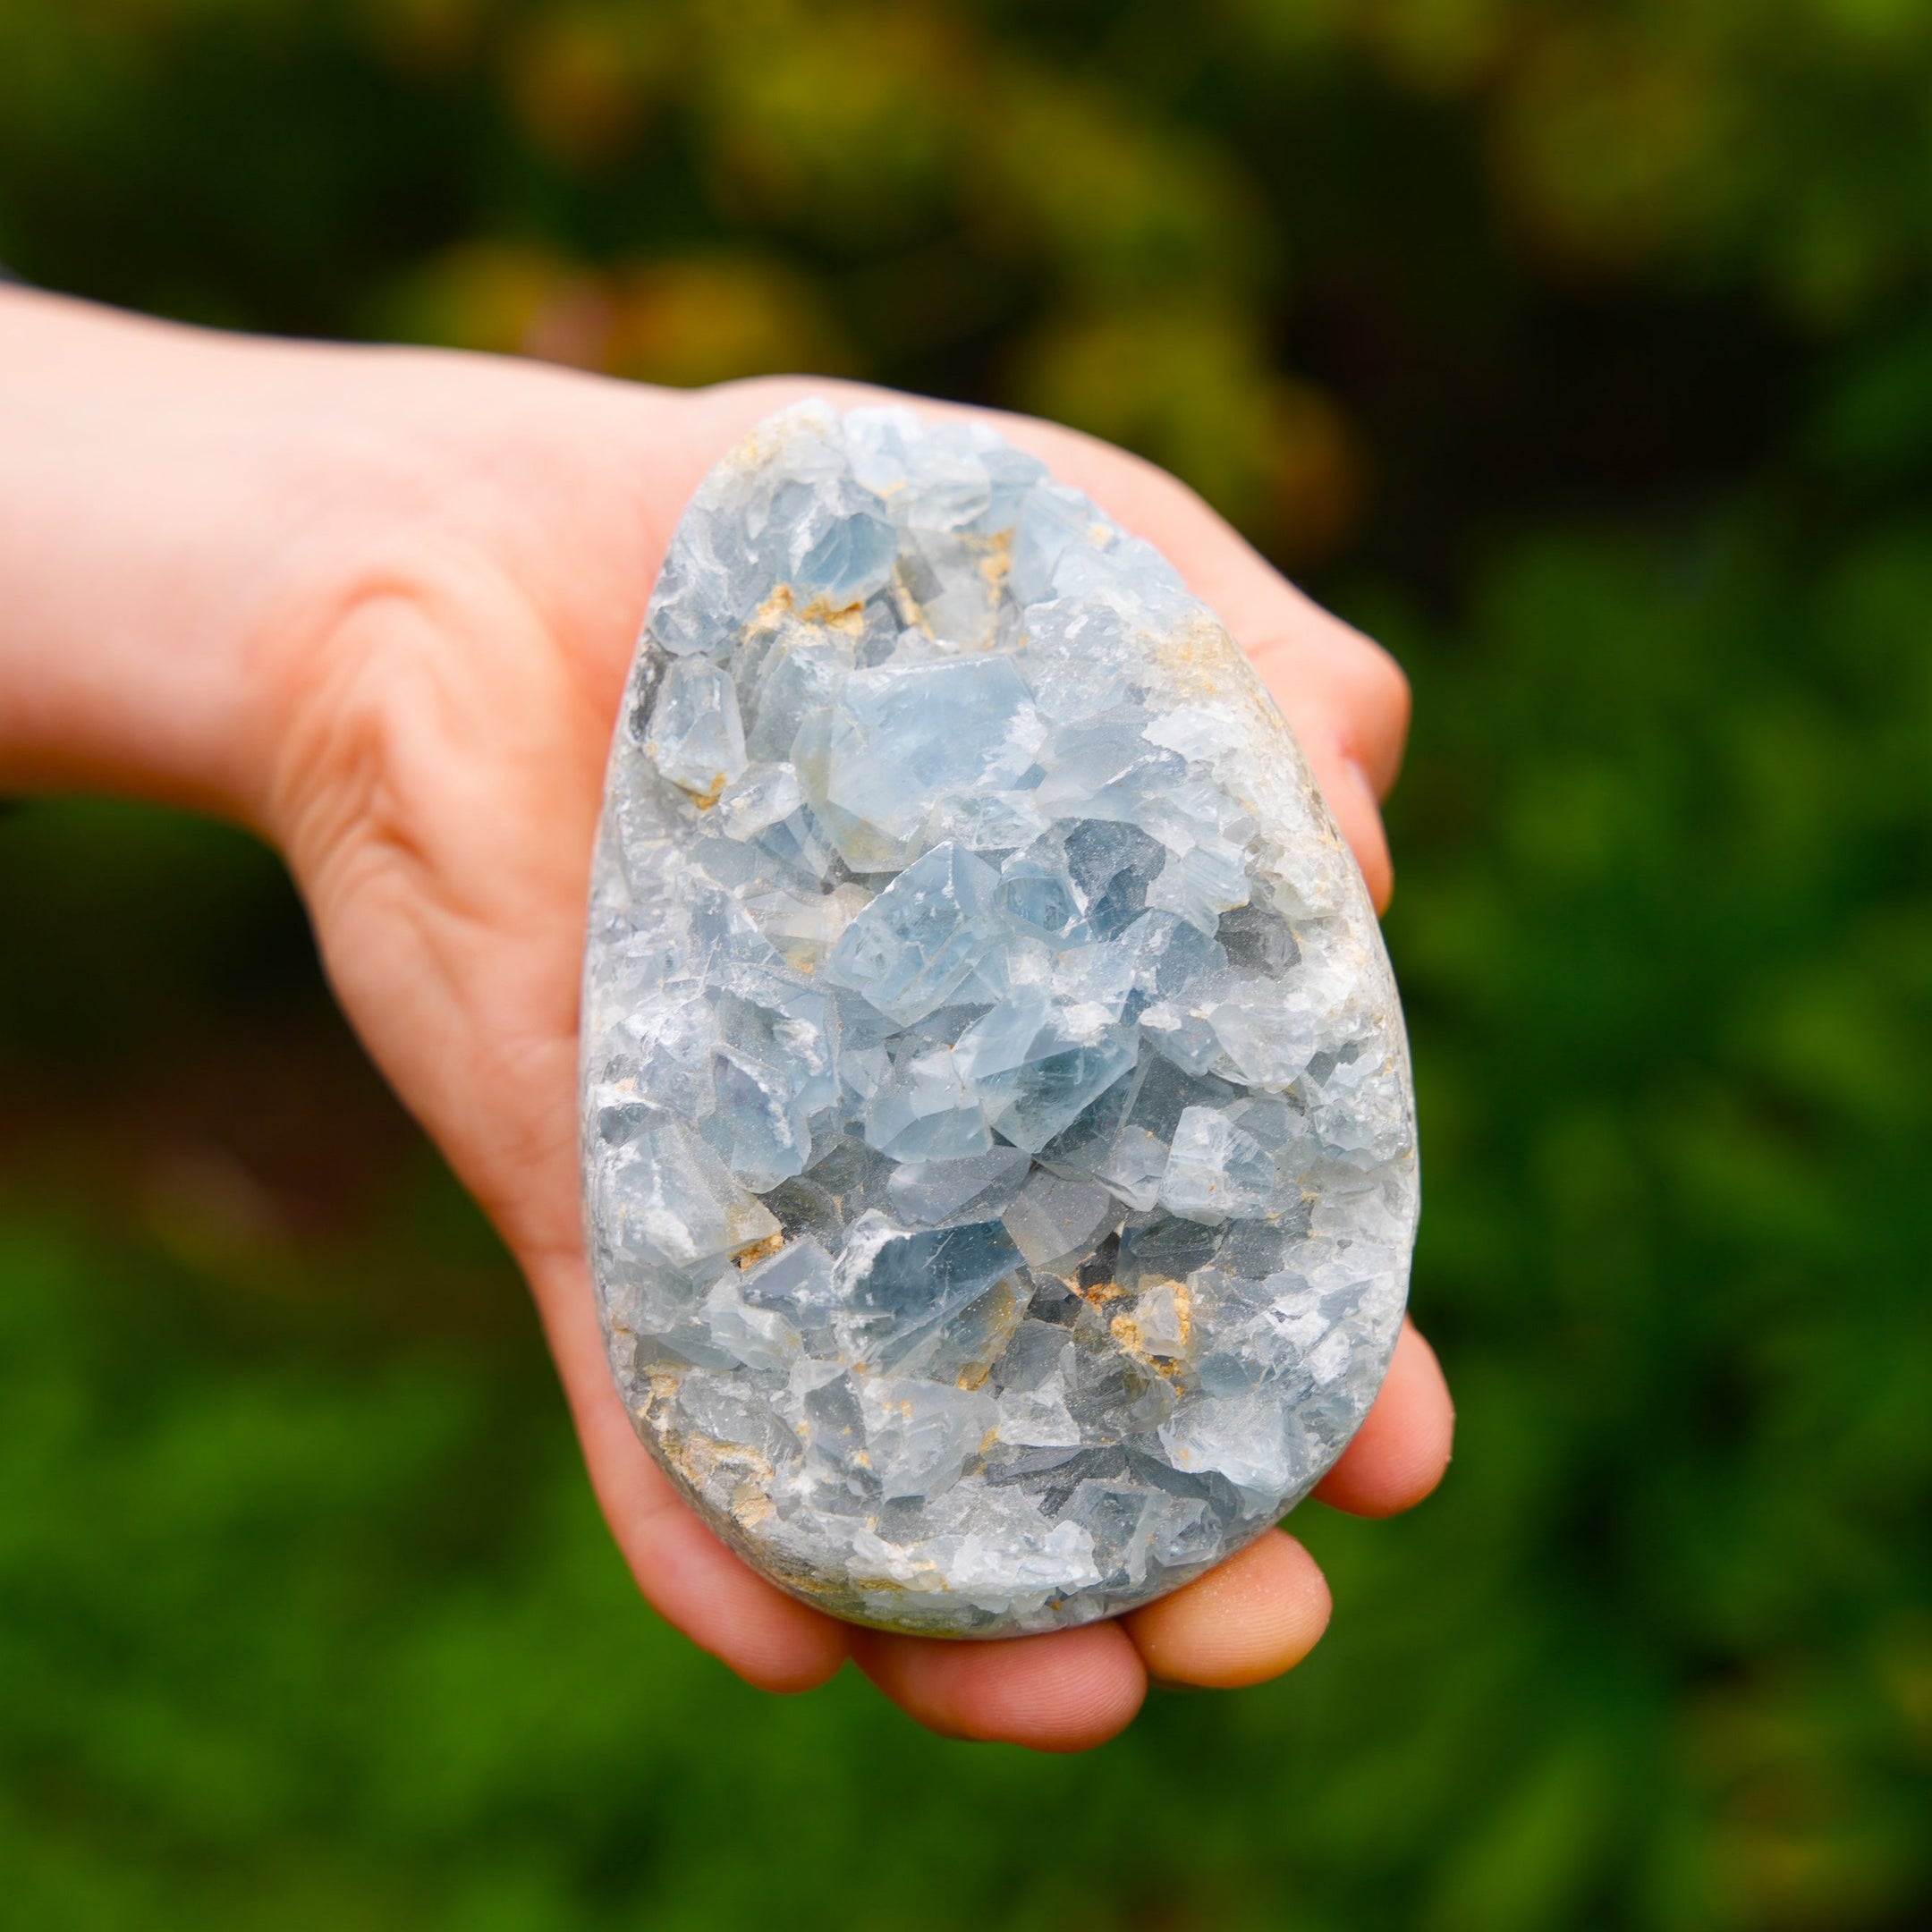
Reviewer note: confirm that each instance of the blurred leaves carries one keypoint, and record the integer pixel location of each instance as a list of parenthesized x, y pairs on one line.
[(1274, 454), (1580, 347), (697, 319)]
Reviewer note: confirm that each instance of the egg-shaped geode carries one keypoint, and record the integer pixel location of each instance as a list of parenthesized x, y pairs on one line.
[(998, 1141)]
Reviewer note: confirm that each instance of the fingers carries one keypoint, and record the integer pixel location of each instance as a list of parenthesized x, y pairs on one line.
[(1248, 1619), (1261, 1611), (1345, 697), (693, 1581), (686, 1574), (1402, 1448), (1327, 670), (1063, 1692), (1252, 1618), (1352, 803), (1348, 704), (1067, 1691)]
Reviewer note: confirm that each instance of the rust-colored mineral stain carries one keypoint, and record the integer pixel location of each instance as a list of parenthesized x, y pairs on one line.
[(996, 565), (782, 602)]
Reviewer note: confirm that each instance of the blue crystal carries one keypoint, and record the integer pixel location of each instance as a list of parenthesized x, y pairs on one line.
[(914, 945), (998, 1145), (926, 1192), (803, 671), (1112, 864), (924, 1111), (1037, 897), (695, 737), (1037, 1066), (911, 1283), (851, 559), (900, 736)]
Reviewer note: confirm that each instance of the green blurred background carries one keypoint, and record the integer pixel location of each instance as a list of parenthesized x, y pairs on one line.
[(1582, 350)]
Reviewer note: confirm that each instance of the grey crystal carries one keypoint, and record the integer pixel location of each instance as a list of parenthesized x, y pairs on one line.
[(999, 1150)]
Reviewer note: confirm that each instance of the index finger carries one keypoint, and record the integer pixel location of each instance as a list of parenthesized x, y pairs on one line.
[(1345, 697)]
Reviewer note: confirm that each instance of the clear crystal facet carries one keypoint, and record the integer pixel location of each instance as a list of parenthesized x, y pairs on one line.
[(998, 1144)]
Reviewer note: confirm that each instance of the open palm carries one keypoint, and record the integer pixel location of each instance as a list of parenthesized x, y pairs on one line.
[(436, 697)]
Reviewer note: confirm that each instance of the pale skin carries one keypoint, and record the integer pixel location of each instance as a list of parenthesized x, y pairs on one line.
[(377, 605)]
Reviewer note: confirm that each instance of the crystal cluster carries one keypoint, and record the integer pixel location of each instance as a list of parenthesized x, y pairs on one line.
[(998, 1142)]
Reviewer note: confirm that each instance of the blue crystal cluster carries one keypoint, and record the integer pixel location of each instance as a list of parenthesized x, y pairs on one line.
[(998, 1143)]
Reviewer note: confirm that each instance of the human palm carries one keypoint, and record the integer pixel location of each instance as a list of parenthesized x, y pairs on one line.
[(438, 689)]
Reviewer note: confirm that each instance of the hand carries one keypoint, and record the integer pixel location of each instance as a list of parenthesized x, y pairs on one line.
[(437, 566)]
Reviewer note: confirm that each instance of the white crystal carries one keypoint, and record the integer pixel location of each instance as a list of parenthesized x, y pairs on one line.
[(759, 799), (999, 1158), (665, 1195), (696, 739), (1216, 1172), (924, 1111)]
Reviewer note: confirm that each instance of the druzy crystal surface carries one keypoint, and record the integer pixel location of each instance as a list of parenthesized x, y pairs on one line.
[(998, 1142)]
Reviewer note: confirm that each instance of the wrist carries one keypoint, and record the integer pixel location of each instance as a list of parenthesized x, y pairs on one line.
[(117, 642), (159, 501)]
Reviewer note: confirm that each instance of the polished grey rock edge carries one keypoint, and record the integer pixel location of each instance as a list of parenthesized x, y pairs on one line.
[(998, 1140)]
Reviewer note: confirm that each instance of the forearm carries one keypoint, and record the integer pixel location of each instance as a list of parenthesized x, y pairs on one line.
[(145, 521)]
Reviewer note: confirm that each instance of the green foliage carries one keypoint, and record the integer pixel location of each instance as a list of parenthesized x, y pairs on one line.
[(1581, 349)]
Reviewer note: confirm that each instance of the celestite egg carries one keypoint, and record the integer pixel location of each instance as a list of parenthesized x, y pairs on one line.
[(998, 1142)]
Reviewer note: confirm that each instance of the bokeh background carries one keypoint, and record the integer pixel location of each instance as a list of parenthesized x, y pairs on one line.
[(1580, 348)]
